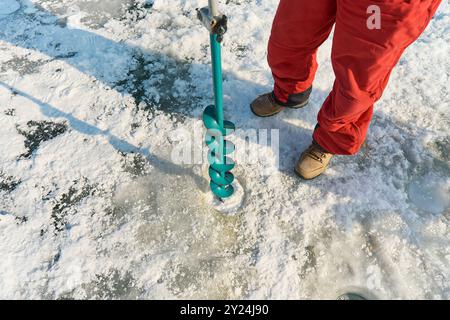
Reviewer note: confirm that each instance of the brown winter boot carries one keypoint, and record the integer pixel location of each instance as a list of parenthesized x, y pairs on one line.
[(313, 162), (267, 104)]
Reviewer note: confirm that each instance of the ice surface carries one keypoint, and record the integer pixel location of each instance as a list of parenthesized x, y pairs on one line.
[(8, 7), (430, 193), (231, 205), (94, 97)]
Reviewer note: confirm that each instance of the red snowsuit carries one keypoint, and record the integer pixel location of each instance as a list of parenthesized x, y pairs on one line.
[(362, 58)]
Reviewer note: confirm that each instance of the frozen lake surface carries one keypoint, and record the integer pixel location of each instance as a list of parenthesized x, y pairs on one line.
[(96, 95), (8, 7)]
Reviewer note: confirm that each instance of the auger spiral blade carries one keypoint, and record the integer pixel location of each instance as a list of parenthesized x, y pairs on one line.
[(217, 127)]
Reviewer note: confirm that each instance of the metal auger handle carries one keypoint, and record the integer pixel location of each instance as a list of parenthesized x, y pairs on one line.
[(215, 22), (212, 4)]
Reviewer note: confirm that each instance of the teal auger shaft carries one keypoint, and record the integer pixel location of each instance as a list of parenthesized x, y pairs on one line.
[(217, 127), (216, 55)]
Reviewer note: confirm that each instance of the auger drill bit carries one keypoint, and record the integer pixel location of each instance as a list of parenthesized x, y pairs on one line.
[(218, 128)]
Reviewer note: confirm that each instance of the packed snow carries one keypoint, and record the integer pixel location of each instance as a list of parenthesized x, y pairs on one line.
[(8, 7), (96, 95)]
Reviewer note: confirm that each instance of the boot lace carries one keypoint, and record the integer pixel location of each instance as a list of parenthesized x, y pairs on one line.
[(316, 154)]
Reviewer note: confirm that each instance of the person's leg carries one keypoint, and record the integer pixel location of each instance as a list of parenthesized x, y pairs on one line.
[(363, 60), (299, 28)]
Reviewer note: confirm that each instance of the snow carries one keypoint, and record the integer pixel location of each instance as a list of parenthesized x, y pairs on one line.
[(231, 205), (96, 95), (8, 7)]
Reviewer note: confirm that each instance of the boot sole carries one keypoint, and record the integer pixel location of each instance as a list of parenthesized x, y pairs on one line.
[(298, 106), (307, 179)]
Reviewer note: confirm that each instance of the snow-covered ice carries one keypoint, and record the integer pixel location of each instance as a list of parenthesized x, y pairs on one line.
[(8, 7), (93, 94)]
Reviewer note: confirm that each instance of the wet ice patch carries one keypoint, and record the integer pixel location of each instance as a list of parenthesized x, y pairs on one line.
[(8, 183), (112, 284), (66, 205), (204, 249), (430, 193), (37, 132), (97, 13), (23, 65), (8, 7)]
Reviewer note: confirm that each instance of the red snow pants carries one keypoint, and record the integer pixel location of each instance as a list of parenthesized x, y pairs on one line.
[(362, 58)]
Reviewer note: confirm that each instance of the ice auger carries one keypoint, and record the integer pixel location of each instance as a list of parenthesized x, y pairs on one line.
[(217, 127)]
